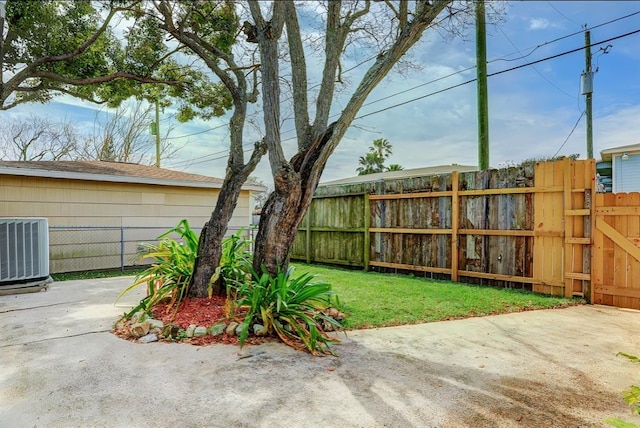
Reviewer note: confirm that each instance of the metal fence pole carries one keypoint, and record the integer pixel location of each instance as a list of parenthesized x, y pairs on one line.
[(121, 248)]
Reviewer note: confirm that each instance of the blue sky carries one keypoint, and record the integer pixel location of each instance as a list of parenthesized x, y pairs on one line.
[(532, 110)]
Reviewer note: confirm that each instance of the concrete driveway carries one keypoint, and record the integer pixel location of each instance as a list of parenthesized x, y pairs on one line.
[(61, 367)]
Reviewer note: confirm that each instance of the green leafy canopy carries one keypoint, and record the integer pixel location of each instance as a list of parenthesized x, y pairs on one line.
[(106, 52)]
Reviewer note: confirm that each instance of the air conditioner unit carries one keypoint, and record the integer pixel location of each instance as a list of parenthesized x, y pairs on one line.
[(24, 254)]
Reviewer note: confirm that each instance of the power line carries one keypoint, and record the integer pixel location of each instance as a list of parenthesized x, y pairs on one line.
[(210, 158), (467, 82), (564, 37), (562, 14), (615, 20), (419, 86), (418, 98), (535, 69), (565, 53), (198, 133), (498, 73), (570, 133)]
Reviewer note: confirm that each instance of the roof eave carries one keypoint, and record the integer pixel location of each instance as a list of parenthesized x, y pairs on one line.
[(107, 178), (607, 154)]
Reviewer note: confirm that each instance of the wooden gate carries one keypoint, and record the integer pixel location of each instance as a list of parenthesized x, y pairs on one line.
[(616, 260), (563, 218)]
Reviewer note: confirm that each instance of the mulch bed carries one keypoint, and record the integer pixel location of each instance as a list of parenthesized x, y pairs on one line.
[(201, 312)]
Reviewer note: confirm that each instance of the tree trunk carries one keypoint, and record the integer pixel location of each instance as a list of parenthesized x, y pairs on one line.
[(210, 243), (281, 215), (295, 184)]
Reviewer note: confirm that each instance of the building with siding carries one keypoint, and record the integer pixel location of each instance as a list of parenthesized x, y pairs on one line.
[(100, 213), (622, 166), (398, 175)]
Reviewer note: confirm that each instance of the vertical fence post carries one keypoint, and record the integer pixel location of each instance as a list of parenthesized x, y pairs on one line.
[(121, 248), (366, 254), (567, 226), (589, 226), (455, 225), (308, 234)]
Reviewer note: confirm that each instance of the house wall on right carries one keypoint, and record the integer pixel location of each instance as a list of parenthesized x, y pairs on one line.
[(626, 173)]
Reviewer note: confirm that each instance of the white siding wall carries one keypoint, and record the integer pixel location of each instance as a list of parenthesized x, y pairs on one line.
[(626, 173)]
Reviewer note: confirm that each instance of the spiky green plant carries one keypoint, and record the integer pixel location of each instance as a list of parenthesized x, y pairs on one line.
[(235, 261), (291, 308), (168, 277)]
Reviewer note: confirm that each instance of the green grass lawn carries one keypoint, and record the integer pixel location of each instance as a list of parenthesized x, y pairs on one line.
[(90, 274), (375, 300)]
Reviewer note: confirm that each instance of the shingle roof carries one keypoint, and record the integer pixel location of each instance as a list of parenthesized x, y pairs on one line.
[(110, 171), (405, 173)]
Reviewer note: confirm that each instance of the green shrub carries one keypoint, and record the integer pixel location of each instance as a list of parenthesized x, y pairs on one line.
[(292, 308), (169, 276), (632, 395)]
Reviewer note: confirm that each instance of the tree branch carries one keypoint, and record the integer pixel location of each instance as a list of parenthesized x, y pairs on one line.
[(267, 37), (425, 12), (84, 46), (259, 150), (78, 95), (299, 74), (31, 66), (191, 40), (101, 79), (335, 39)]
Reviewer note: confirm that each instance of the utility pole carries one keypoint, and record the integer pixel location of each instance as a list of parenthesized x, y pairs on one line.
[(483, 102), (157, 129), (587, 91), (3, 14)]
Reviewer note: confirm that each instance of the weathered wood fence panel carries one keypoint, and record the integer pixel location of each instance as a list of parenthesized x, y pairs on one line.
[(542, 228), (495, 226), (616, 267), (477, 226), (333, 231)]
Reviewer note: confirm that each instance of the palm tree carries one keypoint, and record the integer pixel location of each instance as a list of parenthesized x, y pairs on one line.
[(370, 164), (382, 147), (374, 160)]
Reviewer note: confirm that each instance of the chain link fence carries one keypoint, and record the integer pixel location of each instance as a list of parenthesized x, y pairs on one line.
[(85, 248)]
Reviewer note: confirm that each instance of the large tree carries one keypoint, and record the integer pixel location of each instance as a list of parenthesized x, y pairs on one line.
[(287, 53), (281, 47)]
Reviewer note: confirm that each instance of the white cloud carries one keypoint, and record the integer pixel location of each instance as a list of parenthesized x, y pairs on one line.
[(617, 128), (539, 24)]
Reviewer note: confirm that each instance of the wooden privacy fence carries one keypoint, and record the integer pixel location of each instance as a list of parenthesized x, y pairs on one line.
[(616, 262), (530, 227)]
